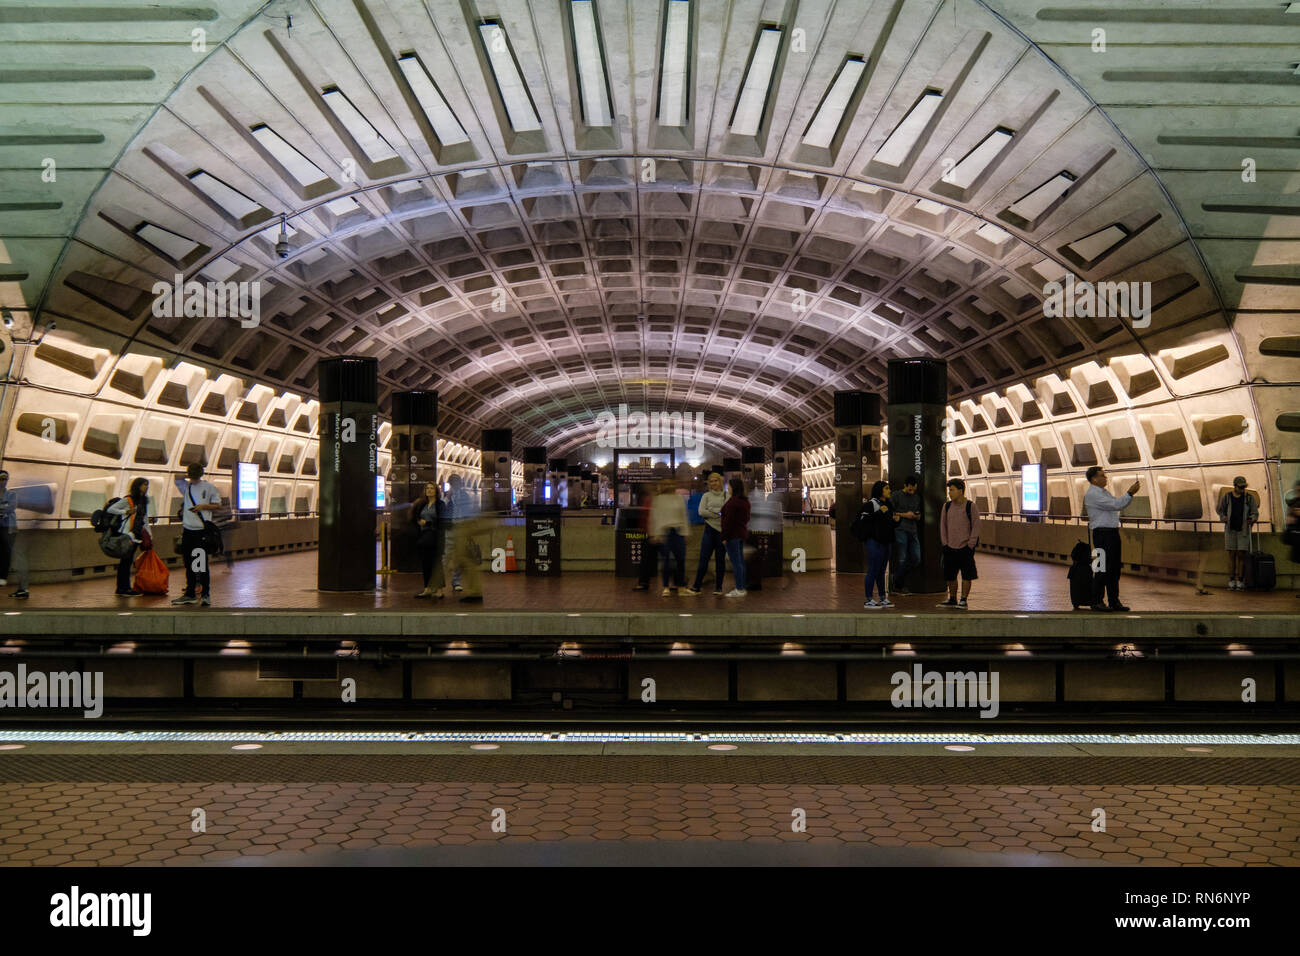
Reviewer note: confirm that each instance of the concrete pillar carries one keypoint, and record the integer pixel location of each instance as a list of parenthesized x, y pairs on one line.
[(349, 443), (414, 445), (535, 474), (787, 468), (918, 397), (857, 467), (496, 446)]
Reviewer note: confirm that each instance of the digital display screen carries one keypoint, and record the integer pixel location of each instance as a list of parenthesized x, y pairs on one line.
[(379, 491), (246, 486), (1031, 489)]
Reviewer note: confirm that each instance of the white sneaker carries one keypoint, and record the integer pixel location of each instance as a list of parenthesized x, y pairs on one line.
[(885, 603), (735, 592), (871, 604), (1232, 585), (667, 591), (3, 582)]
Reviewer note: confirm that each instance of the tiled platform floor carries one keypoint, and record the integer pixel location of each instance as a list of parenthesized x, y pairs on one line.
[(95, 823), (289, 582)]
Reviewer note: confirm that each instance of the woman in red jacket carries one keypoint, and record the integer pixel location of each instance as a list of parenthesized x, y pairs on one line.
[(735, 532)]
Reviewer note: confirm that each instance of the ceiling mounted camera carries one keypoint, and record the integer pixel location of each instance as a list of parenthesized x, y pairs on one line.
[(282, 244)]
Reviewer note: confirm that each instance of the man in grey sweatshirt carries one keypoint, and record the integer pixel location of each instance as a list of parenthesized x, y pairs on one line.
[(711, 543)]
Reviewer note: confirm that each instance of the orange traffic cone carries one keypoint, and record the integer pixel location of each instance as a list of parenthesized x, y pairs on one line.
[(510, 554)]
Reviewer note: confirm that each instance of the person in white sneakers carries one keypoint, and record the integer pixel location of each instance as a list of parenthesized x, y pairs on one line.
[(1238, 511), (735, 532), (879, 543), (199, 500), (959, 533)]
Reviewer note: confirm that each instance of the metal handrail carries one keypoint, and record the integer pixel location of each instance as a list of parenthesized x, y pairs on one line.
[(233, 518), (1174, 524)]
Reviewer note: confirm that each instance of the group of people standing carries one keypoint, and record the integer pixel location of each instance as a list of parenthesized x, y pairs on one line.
[(889, 527), (725, 534)]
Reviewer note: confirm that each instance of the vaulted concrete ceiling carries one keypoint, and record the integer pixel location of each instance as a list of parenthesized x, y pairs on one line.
[(542, 250)]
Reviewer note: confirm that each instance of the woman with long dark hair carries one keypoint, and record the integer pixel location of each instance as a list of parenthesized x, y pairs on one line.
[(735, 532), (880, 542), (427, 513), (134, 509)]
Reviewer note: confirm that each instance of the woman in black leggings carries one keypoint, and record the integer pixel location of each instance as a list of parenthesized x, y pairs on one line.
[(426, 512)]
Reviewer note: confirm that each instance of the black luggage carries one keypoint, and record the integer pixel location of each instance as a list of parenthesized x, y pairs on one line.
[(1080, 576), (1261, 572)]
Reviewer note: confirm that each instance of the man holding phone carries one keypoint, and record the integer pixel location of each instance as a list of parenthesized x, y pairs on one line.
[(199, 498), (1103, 523)]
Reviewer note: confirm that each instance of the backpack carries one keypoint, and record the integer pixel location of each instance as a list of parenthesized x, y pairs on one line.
[(861, 527), (102, 520), (883, 529)]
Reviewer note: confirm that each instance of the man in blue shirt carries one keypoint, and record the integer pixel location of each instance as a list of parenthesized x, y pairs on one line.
[(1103, 523)]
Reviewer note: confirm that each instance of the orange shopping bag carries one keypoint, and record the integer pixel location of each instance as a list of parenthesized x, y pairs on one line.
[(151, 573)]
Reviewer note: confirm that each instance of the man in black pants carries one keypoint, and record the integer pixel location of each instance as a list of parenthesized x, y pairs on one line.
[(1103, 522), (198, 501)]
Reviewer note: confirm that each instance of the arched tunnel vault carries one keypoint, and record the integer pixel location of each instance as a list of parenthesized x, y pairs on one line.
[(908, 183)]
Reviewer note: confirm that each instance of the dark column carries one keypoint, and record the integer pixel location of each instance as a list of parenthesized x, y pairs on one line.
[(559, 478), (495, 488), (753, 462), (857, 466), (349, 441), (535, 474), (414, 444), (730, 469), (918, 396), (787, 468)]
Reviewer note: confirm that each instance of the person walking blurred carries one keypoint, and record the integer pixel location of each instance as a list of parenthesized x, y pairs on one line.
[(667, 530), (735, 533), (467, 522), (13, 555)]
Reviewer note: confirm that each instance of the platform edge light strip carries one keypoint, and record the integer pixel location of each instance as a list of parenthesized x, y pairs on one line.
[(291, 737)]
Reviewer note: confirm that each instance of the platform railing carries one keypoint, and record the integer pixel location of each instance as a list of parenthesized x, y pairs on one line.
[(1155, 524)]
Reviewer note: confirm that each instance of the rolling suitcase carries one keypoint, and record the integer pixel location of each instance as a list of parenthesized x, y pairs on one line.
[(1080, 576), (1261, 572)]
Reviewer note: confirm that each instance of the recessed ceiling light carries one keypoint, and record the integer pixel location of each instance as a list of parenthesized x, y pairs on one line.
[(973, 164), (722, 746), (440, 116), (907, 134), (484, 746), (830, 113), (13, 746), (173, 245), (959, 748), (1033, 204), (231, 200), (1198, 750), (591, 64), (302, 169), (246, 747), (510, 82), (359, 128), (674, 64), (1097, 244), (756, 89)]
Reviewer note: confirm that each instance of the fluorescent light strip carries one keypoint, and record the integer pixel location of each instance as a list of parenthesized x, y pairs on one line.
[(1033, 205), (445, 125), (830, 114), (591, 65), (514, 93), (367, 137), (903, 139), (977, 160), (1093, 246), (228, 198), (684, 736), (219, 269), (758, 82), (175, 246), (672, 65), (295, 163)]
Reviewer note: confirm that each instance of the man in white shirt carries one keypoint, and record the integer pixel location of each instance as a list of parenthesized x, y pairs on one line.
[(1103, 524), (198, 502)]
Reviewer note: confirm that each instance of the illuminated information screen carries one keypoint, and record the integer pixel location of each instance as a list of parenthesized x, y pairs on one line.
[(1031, 489), (246, 486)]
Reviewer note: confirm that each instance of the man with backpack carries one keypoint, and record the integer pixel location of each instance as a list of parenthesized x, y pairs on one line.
[(198, 501), (959, 533)]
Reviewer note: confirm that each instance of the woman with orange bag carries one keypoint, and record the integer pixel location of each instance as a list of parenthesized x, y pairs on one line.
[(134, 508)]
